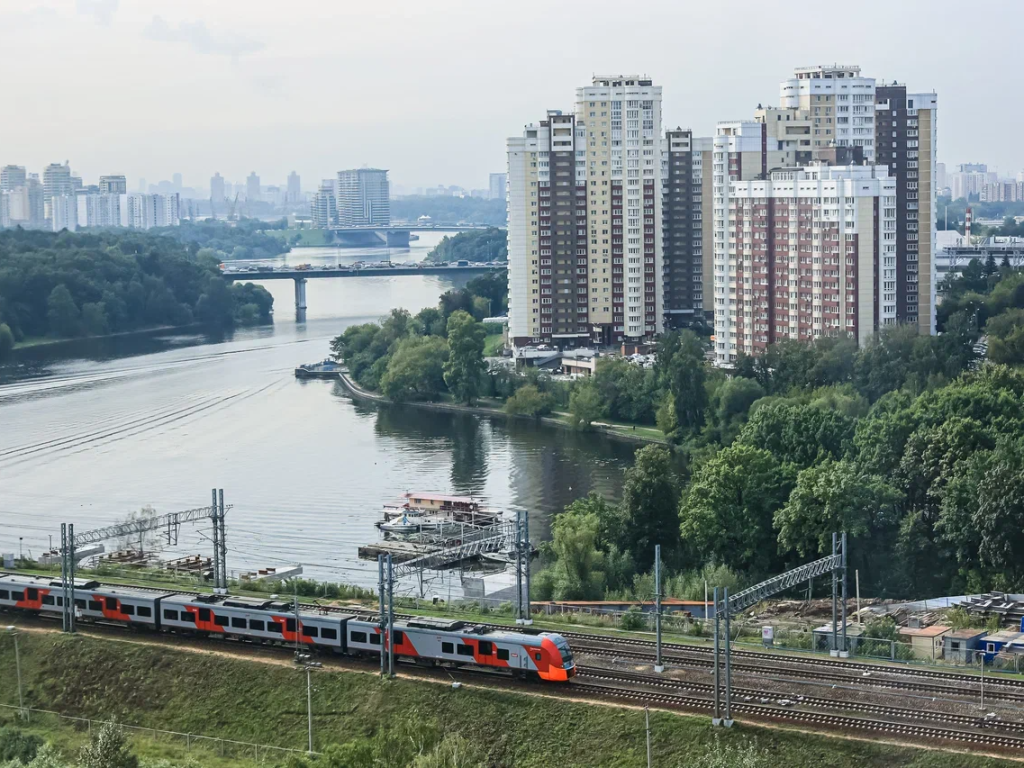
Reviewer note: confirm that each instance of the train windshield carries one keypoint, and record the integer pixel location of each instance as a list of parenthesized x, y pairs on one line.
[(563, 648)]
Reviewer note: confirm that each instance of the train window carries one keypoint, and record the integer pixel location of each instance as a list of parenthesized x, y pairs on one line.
[(143, 610), (186, 616), (447, 648), (465, 650), (95, 605), (256, 624), (399, 637), (329, 634), (310, 631), (275, 626), (486, 647), (4, 594), (220, 621), (536, 656), (60, 601), (172, 615), (17, 596), (81, 604), (290, 624), (33, 594), (238, 623), (503, 654), (48, 600), (111, 603), (204, 614), (374, 639), (357, 637), (128, 610)]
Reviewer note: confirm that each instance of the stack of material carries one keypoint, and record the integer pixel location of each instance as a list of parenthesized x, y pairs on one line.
[(1009, 608)]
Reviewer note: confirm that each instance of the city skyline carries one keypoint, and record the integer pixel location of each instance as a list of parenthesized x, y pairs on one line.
[(250, 81)]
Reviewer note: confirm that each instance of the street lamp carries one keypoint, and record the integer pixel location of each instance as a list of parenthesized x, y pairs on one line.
[(13, 632)]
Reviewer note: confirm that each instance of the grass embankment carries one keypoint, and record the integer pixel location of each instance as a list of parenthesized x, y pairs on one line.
[(264, 702), (493, 344)]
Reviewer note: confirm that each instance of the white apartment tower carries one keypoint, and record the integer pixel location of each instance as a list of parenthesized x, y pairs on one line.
[(364, 197)]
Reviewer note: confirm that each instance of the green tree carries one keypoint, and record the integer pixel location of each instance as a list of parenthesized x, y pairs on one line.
[(431, 322), (884, 363), (94, 318), (62, 312), (465, 365), (528, 401), (730, 405), (17, 745), (726, 514), (799, 434), (578, 570), (216, 307), (6, 341), (650, 495), (109, 748), (1006, 337), (416, 369), (585, 406), (684, 370), (831, 497)]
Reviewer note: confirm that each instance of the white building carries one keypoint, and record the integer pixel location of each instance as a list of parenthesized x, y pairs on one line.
[(324, 207), (99, 210), (363, 197), (11, 177), (139, 211), (64, 212), (294, 188), (498, 182), (5, 208)]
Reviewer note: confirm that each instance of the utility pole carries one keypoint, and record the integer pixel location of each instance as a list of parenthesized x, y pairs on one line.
[(13, 631), (519, 566), (309, 706), (71, 572), (716, 717), (380, 617), (298, 626), (223, 544), (856, 577), (391, 619), (216, 541), (659, 665), (728, 668), (834, 650), (844, 653), (647, 726)]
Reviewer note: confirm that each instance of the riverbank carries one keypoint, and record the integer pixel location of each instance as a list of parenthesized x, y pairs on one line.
[(558, 419), (255, 695), (35, 342)]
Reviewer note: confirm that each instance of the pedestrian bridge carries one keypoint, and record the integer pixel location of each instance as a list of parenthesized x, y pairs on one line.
[(300, 276)]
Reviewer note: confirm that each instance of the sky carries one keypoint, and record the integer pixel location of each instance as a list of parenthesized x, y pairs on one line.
[(430, 90)]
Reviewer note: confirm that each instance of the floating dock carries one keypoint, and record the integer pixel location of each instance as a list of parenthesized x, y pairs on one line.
[(326, 369), (400, 551)]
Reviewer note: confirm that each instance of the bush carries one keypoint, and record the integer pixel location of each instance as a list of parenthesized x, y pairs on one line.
[(633, 619), (528, 401), (18, 745)]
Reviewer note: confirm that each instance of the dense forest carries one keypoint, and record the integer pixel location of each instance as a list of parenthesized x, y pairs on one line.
[(223, 241), (450, 210), (475, 245), (68, 285)]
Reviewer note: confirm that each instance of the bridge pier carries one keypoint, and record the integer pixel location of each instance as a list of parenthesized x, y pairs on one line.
[(300, 294)]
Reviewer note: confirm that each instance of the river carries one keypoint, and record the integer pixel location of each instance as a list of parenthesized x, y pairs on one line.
[(92, 430)]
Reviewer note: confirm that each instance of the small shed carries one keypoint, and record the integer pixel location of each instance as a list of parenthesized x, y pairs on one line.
[(997, 641), (823, 636), (925, 642), (959, 646)]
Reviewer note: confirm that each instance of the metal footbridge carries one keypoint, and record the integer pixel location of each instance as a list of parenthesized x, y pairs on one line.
[(462, 542)]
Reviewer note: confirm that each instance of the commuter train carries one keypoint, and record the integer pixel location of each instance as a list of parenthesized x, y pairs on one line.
[(433, 642)]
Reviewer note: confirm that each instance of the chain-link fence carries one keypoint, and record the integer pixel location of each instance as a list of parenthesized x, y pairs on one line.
[(190, 744)]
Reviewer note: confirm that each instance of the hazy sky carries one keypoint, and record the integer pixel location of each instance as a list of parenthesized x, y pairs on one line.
[(431, 90)]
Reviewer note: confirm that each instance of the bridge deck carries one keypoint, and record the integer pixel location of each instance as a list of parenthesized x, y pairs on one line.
[(299, 274)]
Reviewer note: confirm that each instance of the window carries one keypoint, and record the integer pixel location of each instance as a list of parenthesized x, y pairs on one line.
[(374, 639), (204, 614), (81, 604), (48, 600), (4, 594), (357, 637), (128, 610), (503, 654), (237, 623), (990, 647), (289, 624), (329, 634), (33, 593), (220, 621), (536, 656), (486, 647), (465, 650), (143, 610), (257, 625), (111, 603), (186, 616), (169, 614), (95, 605), (275, 626), (310, 631), (447, 648)]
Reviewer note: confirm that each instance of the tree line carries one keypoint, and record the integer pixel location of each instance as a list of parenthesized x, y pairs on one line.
[(69, 285), (224, 241), (473, 245)]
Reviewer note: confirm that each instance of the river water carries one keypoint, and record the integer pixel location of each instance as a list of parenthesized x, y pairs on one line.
[(92, 430)]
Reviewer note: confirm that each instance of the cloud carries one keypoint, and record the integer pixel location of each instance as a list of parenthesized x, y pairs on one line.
[(200, 39), (101, 10)]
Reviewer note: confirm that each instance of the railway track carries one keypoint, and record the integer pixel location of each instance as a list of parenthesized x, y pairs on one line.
[(879, 728), (748, 695)]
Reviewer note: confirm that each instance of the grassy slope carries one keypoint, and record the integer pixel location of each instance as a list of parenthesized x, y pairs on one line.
[(263, 702)]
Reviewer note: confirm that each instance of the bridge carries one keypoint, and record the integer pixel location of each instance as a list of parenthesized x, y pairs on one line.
[(300, 276)]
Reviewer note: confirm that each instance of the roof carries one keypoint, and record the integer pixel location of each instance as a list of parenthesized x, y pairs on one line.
[(439, 497), (933, 631), (966, 634), (1005, 636)]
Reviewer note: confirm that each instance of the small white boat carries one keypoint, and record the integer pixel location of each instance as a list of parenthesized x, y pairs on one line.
[(407, 524)]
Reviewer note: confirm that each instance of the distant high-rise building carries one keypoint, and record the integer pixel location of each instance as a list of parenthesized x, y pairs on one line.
[(5, 208), (294, 188), (497, 186), (177, 180), (217, 188), (940, 176), (64, 212), (363, 198), (102, 209), (147, 211), (57, 181), (12, 176), (35, 200), (252, 187), (324, 208), (113, 185)]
